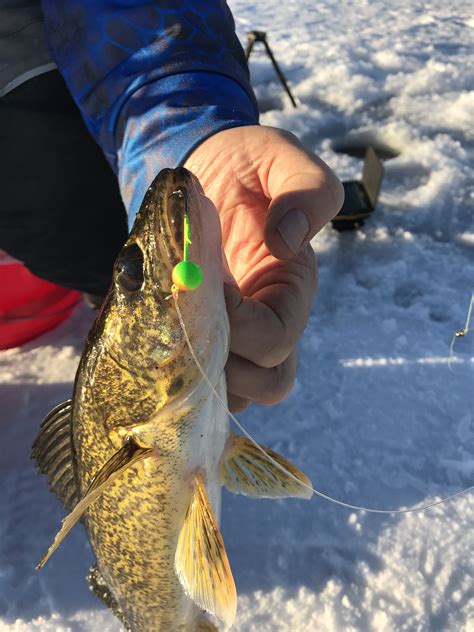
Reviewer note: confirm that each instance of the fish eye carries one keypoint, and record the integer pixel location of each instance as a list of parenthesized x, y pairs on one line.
[(176, 212), (129, 273)]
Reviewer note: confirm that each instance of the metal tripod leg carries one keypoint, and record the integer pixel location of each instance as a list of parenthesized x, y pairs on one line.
[(260, 36)]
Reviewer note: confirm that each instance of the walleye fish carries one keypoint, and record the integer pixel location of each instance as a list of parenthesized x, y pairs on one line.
[(142, 449)]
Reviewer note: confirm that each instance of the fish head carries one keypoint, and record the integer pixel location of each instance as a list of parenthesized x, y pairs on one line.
[(141, 329)]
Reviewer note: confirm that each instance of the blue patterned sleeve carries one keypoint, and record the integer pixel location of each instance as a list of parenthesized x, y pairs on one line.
[(152, 79)]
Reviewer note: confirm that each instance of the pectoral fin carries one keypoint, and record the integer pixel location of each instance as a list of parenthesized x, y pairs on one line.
[(246, 470), (201, 562), (128, 454)]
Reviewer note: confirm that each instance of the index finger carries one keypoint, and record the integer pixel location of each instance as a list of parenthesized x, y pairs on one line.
[(265, 326)]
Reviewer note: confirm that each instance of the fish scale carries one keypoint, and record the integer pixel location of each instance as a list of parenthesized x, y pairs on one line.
[(149, 444)]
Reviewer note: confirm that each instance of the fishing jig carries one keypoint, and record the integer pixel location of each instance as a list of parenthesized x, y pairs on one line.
[(186, 275), (460, 333)]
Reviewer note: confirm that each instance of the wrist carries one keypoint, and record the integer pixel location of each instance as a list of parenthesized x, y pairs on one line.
[(166, 120)]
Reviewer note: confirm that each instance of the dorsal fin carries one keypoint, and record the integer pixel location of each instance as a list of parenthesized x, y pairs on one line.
[(201, 562), (52, 451)]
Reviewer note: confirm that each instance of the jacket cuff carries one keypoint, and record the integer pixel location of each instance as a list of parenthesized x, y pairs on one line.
[(164, 121)]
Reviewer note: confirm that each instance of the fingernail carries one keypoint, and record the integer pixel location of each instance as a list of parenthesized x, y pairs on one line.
[(294, 228)]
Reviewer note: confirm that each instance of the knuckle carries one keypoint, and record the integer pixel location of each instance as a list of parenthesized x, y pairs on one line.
[(304, 287), (236, 403), (331, 189), (276, 351), (280, 339), (279, 382), (313, 265), (336, 191), (285, 135)]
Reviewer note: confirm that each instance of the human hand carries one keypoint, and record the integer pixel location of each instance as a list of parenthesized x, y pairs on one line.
[(272, 196)]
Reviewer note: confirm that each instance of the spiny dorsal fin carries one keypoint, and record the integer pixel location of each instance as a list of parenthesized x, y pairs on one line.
[(245, 470), (121, 460), (52, 451), (201, 560)]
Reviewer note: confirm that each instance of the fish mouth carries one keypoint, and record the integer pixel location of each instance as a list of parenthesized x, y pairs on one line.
[(178, 187), (159, 228)]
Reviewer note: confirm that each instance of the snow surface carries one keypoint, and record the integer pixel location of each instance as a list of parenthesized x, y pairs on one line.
[(376, 416)]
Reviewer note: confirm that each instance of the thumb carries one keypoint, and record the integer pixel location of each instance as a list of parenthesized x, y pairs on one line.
[(305, 195)]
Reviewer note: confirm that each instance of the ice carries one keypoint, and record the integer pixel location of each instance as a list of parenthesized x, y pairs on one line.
[(378, 417)]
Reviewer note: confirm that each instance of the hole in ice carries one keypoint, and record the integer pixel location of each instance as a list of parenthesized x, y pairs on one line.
[(355, 144), (358, 150)]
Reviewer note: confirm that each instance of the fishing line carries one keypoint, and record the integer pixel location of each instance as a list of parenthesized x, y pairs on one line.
[(278, 465), (187, 276), (460, 333)]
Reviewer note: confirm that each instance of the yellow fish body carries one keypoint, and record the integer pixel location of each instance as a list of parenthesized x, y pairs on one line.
[(142, 450)]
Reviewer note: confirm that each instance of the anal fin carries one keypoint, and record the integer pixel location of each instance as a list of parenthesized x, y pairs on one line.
[(201, 562), (245, 469)]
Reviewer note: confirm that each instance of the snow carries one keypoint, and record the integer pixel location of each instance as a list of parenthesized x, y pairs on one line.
[(377, 417)]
